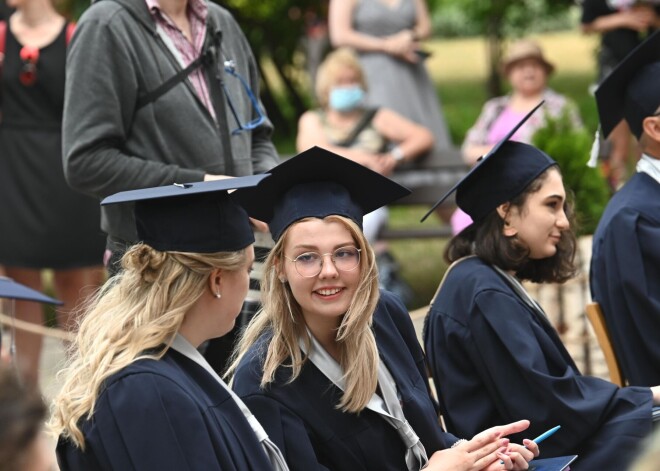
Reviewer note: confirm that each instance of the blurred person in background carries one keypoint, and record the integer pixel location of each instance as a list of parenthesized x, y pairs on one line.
[(622, 25), (143, 109), (387, 36), (527, 71), (45, 224)]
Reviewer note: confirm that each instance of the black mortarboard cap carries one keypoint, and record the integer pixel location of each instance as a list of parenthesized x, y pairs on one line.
[(500, 175), (317, 183), (191, 217), (13, 290), (631, 91)]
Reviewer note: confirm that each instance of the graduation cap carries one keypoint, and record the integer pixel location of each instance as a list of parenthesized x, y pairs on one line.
[(500, 175), (191, 217), (317, 183), (631, 91), (13, 290)]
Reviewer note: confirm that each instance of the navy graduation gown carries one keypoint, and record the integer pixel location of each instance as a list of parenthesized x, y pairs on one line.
[(625, 277), (495, 360), (167, 414), (301, 417)]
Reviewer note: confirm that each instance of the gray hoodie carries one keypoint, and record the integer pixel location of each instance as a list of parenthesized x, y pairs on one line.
[(116, 56)]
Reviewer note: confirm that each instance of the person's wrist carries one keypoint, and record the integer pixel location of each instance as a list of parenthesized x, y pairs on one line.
[(388, 45), (459, 442), (397, 154)]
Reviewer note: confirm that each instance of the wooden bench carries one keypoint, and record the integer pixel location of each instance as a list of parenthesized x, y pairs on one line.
[(429, 179)]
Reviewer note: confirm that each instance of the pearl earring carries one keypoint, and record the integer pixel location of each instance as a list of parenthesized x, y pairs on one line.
[(218, 295)]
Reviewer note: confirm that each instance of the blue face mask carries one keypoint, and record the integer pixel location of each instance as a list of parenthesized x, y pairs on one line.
[(346, 98)]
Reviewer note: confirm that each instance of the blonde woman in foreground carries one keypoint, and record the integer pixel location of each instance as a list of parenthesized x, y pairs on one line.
[(137, 394)]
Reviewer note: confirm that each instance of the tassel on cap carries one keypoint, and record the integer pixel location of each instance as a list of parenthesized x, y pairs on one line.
[(595, 150)]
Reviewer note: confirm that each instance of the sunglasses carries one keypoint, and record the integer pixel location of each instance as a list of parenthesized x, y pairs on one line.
[(28, 74)]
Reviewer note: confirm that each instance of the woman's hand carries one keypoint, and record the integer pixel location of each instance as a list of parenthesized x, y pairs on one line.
[(639, 18), (473, 455), (656, 395), (402, 45), (516, 457)]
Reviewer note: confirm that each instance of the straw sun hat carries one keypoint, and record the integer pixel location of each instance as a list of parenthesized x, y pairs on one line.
[(525, 49)]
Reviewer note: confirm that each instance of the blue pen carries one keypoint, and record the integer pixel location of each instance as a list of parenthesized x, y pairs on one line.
[(545, 435)]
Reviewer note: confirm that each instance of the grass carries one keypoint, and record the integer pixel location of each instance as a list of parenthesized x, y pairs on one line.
[(458, 67)]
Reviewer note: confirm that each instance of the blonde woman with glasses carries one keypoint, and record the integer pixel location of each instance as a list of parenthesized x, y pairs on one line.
[(331, 366)]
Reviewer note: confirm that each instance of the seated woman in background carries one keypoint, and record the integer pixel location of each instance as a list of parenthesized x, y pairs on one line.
[(527, 71), (488, 339), (137, 394), (378, 138), (331, 366)]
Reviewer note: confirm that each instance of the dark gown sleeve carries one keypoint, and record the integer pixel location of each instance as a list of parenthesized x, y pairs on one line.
[(501, 363), (629, 291), (145, 422)]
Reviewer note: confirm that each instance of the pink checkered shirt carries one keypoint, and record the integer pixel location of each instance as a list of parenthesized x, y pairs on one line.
[(197, 12)]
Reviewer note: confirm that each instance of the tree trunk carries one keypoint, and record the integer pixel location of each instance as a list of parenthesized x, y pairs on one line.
[(275, 114), (494, 36)]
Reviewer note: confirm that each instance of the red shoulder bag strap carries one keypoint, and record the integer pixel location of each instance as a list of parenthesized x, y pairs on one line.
[(70, 28), (3, 35)]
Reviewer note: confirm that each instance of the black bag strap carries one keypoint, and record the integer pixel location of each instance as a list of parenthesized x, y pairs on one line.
[(365, 120), (168, 84)]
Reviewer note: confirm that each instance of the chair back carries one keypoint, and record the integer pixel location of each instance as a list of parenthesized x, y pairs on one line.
[(595, 315)]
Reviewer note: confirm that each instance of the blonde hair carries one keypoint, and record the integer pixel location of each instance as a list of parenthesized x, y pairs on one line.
[(135, 315), (282, 316), (334, 63)]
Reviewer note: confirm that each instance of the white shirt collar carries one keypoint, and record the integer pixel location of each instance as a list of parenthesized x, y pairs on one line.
[(650, 166)]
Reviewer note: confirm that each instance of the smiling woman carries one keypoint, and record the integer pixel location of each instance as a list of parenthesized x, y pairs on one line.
[(331, 366)]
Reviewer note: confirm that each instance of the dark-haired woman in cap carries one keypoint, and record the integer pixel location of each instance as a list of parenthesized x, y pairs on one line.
[(137, 394), (491, 343), (331, 366)]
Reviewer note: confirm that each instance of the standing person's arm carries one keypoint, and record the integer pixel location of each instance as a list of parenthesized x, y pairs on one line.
[(598, 17), (401, 44), (311, 133), (100, 98), (411, 138)]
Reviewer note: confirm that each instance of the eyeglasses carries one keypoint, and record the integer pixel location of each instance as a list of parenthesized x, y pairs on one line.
[(28, 74), (309, 264), (230, 68)]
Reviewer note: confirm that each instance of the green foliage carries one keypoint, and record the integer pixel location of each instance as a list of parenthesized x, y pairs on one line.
[(570, 147), (516, 17)]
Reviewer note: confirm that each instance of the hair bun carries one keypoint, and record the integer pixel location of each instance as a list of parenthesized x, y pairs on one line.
[(145, 261)]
